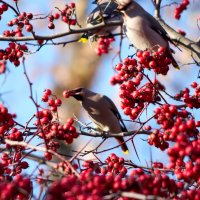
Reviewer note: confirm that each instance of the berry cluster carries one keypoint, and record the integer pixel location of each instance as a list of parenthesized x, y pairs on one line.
[(181, 8), (6, 120), (51, 100), (3, 8), (13, 53), (20, 188), (156, 139), (134, 96), (15, 135), (115, 166), (52, 129), (95, 187), (20, 21), (174, 124), (192, 101), (103, 44), (158, 61), (129, 68), (92, 166), (7, 164), (68, 16), (126, 70)]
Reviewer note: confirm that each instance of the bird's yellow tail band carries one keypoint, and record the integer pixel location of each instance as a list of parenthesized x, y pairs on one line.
[(126, 152), (83, 40)]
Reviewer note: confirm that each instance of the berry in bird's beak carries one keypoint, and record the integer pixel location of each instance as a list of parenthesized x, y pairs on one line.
[(67, 93)]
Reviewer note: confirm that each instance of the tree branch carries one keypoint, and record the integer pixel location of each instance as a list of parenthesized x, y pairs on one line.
[(59, 35), (108, 135)]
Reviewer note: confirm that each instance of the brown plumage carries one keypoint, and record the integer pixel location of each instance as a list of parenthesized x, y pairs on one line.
[(102, 111)]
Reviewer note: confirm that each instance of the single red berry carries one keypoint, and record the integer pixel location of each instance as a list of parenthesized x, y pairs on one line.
[(29, 28), (51, 26)]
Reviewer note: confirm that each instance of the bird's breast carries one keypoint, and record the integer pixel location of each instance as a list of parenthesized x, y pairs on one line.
[(141, 35)]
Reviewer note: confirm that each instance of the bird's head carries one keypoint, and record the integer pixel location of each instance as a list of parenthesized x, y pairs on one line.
[(77, 93)]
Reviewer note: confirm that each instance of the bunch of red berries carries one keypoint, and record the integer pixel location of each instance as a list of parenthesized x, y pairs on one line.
[(6, 120), (92, 166), (103, 45), (51, 100), (181, 8), (134, 96), (68, 14), (158, 61), (192, 101), (115, 166), (7, 164), (44, 117), (15, 135), (3, 8), (53, 129), (50, 128), (174, 125), (187, 170), (95, 187), (20, 188), (88, 186), (51, 18), (13, 53), (156, 138), (130, 68), (22, 20)]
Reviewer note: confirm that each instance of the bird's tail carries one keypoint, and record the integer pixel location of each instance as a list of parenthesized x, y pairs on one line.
[(174, 63), (123, 145)]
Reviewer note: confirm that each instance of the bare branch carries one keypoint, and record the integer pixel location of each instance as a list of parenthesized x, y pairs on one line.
[(59, 35), (108, 135)]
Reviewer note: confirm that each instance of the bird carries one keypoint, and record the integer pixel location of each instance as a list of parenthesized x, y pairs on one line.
[(102, 112), (105, 12), (143, 30)]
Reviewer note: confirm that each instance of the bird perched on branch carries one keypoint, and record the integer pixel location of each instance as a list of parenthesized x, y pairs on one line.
[(105, 12), (102, 111), (143, 30)]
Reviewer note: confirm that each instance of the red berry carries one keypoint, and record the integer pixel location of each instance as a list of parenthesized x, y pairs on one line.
[(29, 28)]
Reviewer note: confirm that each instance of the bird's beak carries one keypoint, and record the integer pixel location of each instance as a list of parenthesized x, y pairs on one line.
[(69, 93), (76, 94)]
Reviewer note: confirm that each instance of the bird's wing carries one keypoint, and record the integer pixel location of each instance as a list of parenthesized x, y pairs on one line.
[(156, 26), (116, 113), (101, 12)]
